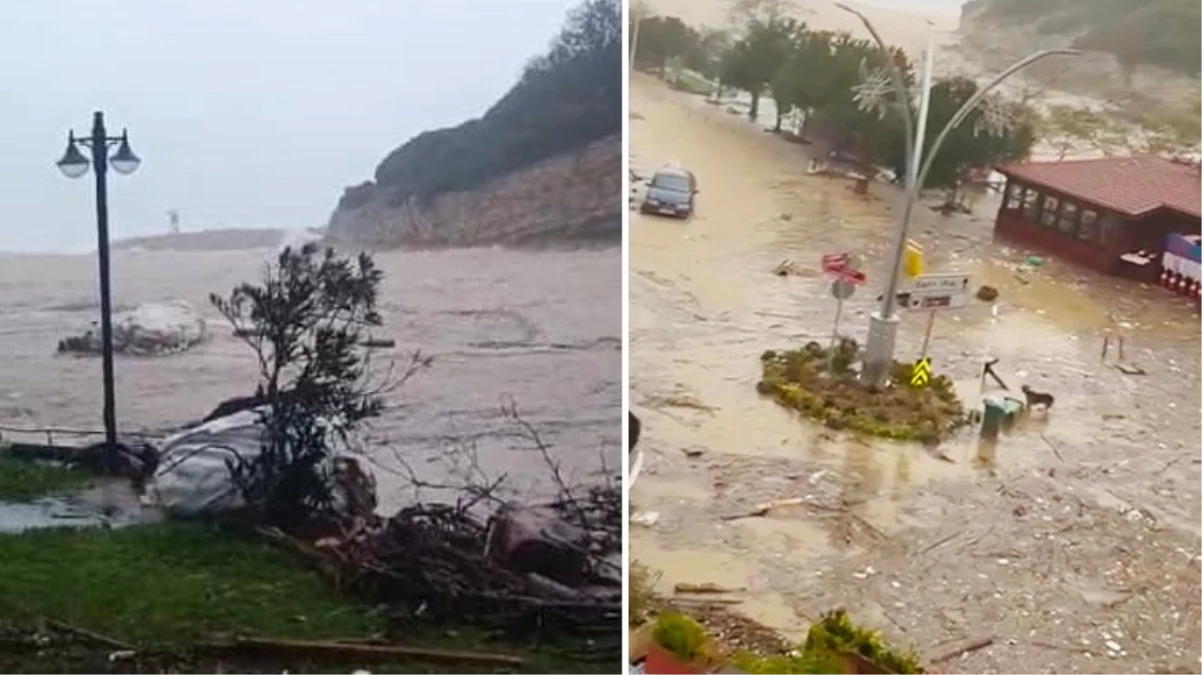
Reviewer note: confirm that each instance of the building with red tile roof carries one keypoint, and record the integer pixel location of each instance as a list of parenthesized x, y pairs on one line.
[(1111, 214)]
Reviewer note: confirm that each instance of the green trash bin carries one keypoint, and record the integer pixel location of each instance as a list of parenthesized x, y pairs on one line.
[(1000, 413)]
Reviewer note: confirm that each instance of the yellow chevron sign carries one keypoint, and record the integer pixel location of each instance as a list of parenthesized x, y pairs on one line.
[(921, 375)]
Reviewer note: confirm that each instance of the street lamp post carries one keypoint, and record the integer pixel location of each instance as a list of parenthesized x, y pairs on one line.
[(882, 327), (74, 165), (634, 34)]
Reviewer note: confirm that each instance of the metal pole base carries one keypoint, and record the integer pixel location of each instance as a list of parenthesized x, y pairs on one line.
[(878, 351)]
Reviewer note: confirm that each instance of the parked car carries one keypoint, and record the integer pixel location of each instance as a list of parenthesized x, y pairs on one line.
[(670, 193)]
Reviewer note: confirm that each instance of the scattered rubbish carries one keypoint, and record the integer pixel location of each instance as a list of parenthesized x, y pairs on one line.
[(378, 343), (763, 509), (692, 453), (973, 646), (1052, 446), (708, 587), (538, 542), (1130, 369), (987, 293), (784, 268), (645, 518)]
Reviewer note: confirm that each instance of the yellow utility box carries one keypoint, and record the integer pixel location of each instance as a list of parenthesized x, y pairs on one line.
[(912, 262)]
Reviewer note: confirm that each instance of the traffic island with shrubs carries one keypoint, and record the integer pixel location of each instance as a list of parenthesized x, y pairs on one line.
[(822, 384), (679, 645)]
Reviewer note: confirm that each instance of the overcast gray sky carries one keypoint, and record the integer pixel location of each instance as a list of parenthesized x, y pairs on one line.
[(245, 113)]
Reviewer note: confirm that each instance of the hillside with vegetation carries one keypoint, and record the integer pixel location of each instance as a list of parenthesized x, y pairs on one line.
[(543, 163), (1164, 33)]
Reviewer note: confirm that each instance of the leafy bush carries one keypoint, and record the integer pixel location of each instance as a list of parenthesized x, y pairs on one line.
[(786, 664), (836, 634), (680, 635), (305, 324)]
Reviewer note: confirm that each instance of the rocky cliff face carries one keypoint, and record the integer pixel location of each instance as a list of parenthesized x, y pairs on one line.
[(569, 198), (542, 166)]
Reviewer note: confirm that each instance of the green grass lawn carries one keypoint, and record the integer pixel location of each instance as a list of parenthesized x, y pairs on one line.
[(22, 480), (171, 584)]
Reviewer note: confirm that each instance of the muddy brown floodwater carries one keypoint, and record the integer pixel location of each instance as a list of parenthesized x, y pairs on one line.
[(542, 329), (1073, 544)]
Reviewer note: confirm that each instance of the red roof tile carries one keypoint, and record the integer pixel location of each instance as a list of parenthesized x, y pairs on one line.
[(1129, 185)]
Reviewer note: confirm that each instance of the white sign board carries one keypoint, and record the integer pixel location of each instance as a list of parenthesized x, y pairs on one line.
[(933, 302), (939, 284), (938, 291)]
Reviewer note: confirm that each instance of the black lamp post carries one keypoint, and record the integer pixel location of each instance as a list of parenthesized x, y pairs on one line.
[(74, 165)]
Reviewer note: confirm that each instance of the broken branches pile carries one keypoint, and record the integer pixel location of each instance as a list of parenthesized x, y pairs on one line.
[(551, 568), (435, 561)]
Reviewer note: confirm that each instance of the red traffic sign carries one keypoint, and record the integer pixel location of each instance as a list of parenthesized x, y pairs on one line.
[(843, 266), (834, 263), (852, 276)]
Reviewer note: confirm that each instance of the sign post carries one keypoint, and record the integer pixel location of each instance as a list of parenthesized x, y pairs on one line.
[(926, 339), (934, 292), (840, 290), (845, 267)]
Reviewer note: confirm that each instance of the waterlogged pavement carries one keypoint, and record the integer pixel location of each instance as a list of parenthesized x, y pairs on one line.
[(1073, 545)]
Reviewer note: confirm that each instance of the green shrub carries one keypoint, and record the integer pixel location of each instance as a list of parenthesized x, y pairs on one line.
[(836, 634), (785, 664), (680, 635), (800, 379)]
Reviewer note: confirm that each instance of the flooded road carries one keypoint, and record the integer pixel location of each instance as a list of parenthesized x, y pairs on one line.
[(1076, 533), (540, 328)]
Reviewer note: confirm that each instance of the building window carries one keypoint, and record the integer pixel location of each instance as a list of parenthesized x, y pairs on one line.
[(1068, 218), (1014, 196), (1031, 205), (1050, 206), (1109, 229), (1087, 230)]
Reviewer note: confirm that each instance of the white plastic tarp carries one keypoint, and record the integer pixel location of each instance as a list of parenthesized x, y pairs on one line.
[(193, 476)]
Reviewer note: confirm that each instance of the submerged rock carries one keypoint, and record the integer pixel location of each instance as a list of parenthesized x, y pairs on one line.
[(149, 329)]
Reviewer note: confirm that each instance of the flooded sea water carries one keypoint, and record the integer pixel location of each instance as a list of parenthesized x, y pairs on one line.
[(930, 546), (542, 329)]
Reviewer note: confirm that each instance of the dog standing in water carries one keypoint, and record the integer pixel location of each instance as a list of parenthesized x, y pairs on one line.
[(1038, 398)]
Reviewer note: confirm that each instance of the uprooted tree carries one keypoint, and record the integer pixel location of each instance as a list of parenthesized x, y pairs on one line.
[(305, 323)]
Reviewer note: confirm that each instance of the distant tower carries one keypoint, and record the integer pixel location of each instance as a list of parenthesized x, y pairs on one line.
[(173, 219)]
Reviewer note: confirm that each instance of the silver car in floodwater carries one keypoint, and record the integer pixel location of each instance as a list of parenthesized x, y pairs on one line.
[(670, 193)]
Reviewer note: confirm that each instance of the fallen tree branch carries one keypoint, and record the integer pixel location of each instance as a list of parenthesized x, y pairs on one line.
[(362, 652), (92, 636), (763, 509), (966, 649)]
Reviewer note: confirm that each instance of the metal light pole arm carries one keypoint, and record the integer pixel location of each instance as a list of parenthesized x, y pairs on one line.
[(895, 74), (976, 98)]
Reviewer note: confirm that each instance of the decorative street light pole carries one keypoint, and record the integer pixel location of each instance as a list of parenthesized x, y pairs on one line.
[(74, 165), (639, 14), (882, 326)]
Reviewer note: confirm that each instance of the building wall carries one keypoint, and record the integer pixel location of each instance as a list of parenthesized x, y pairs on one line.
[(1158, 224), (1013, 227), (1024, 221)]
